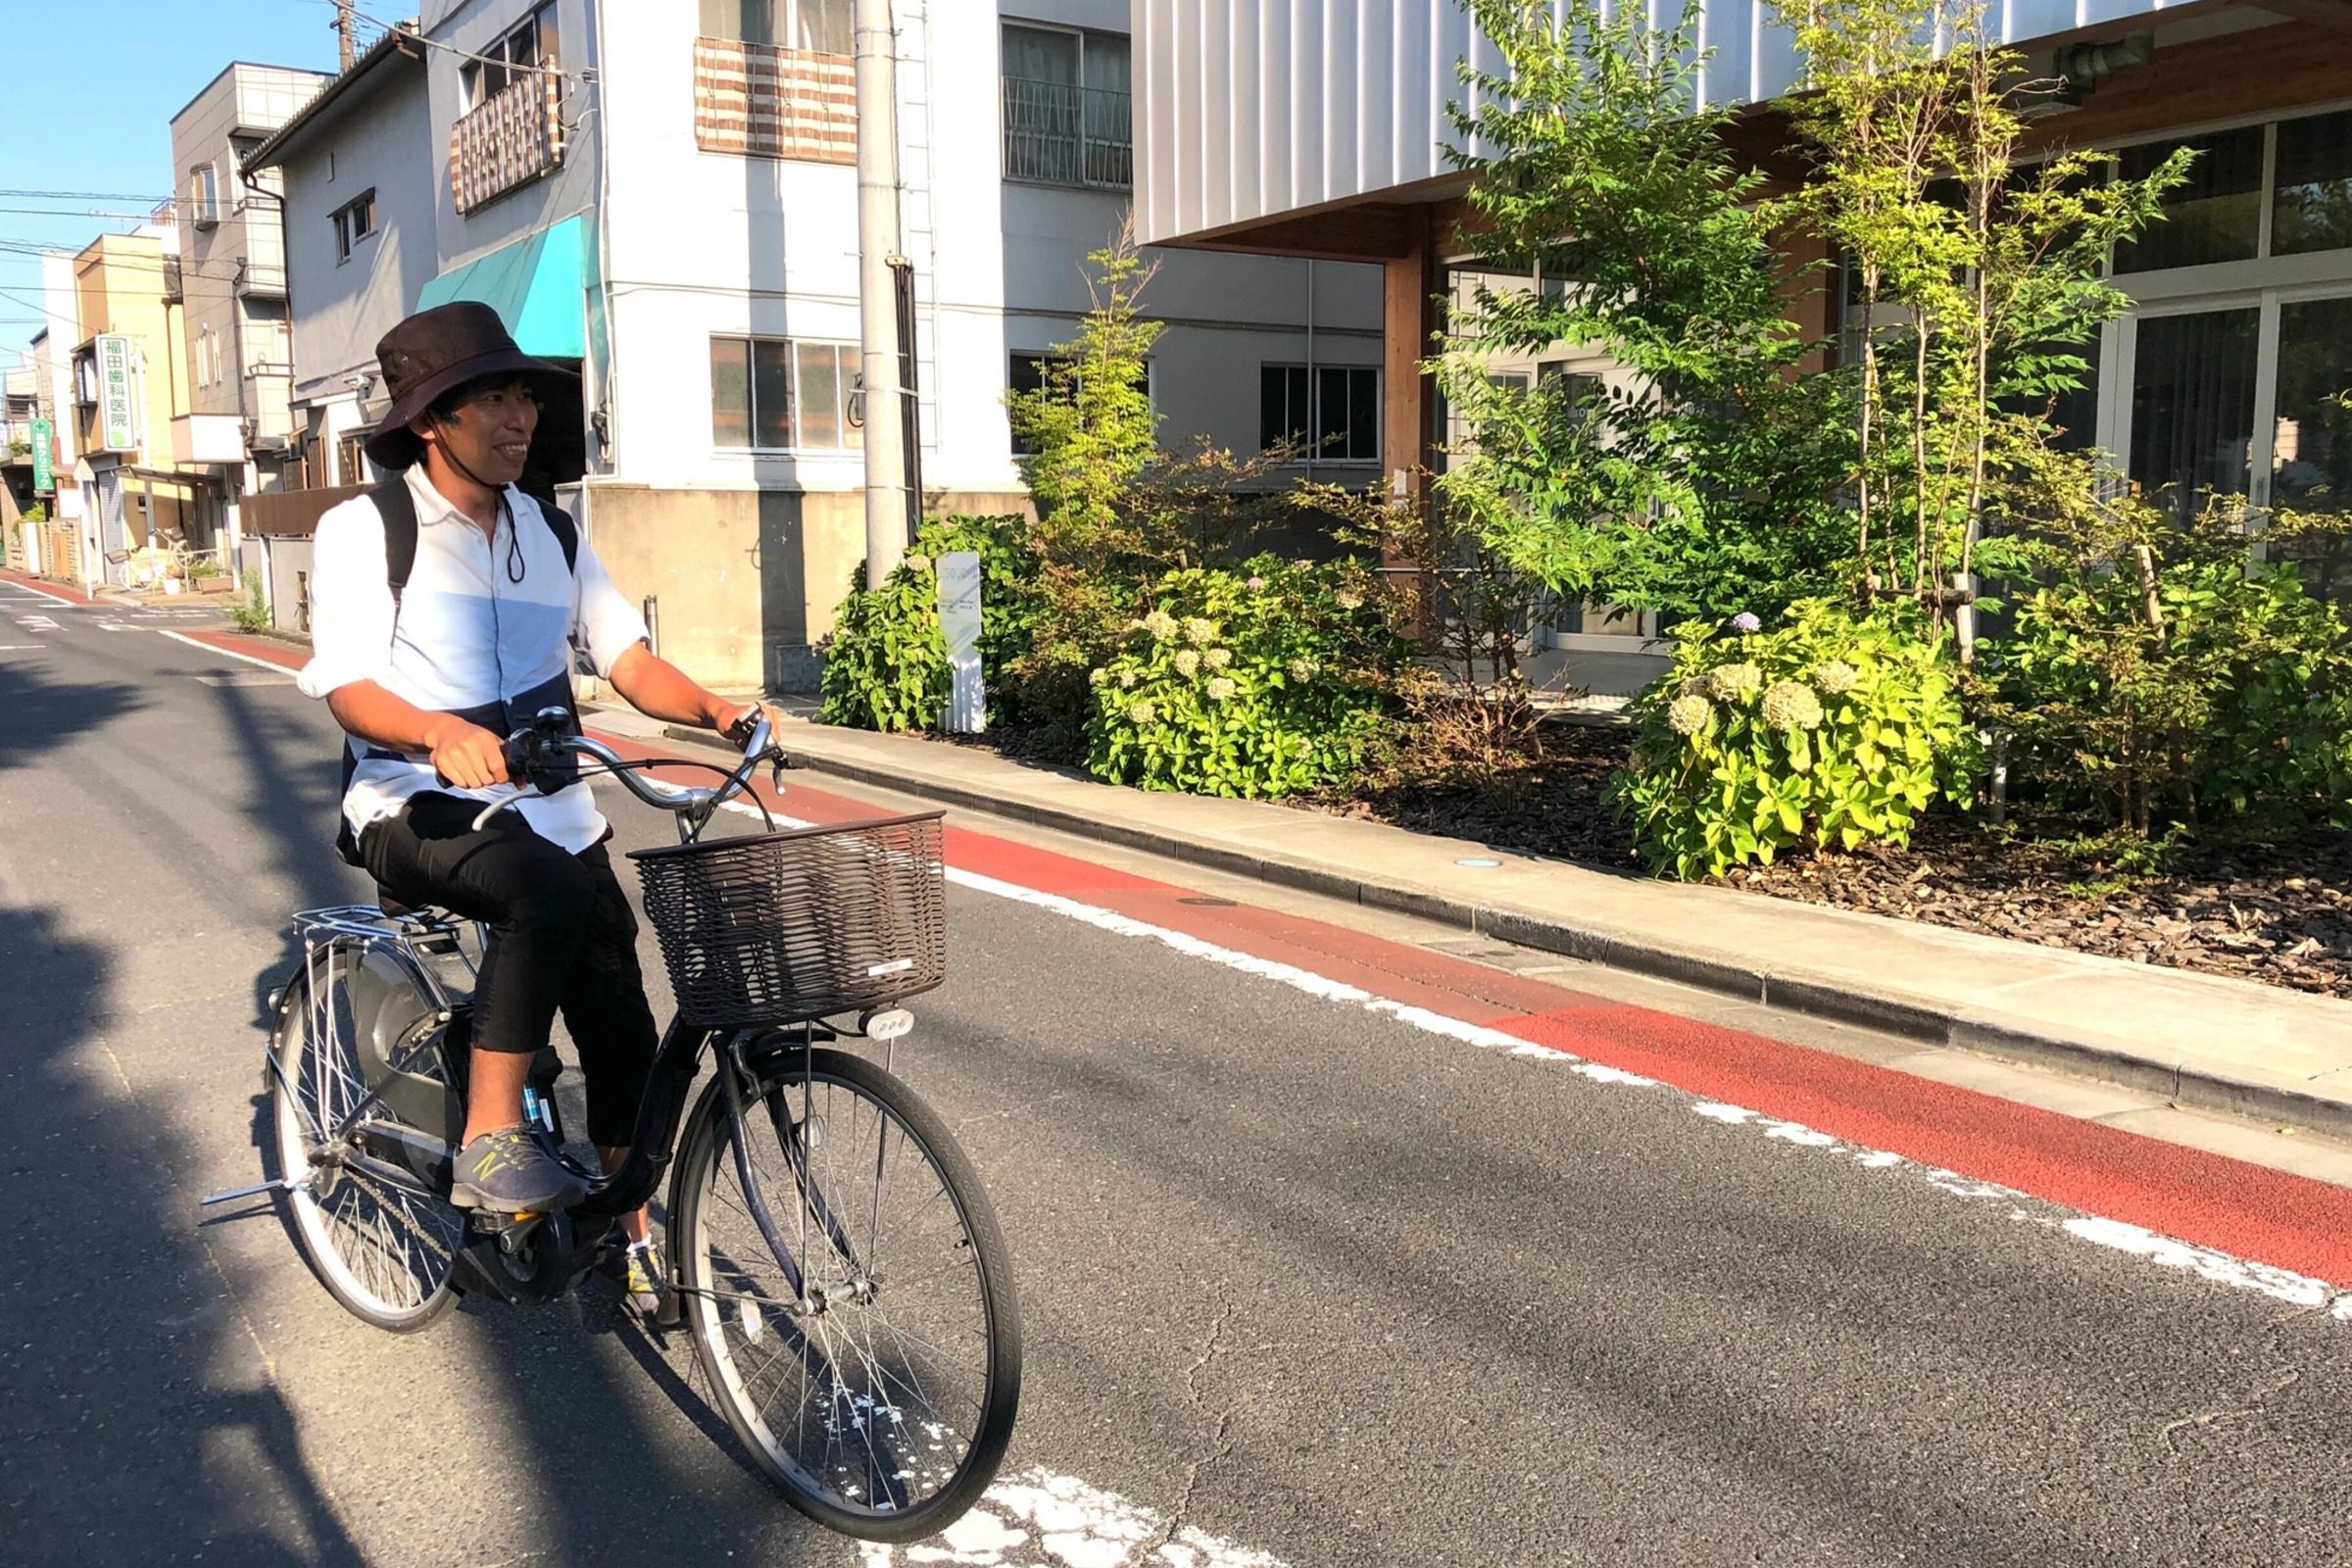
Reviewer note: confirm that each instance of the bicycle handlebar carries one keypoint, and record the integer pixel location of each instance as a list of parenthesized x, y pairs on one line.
[(530, 749)]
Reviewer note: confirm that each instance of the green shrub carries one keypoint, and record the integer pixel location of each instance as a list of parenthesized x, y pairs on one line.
[(1831, 730), (2235, 699), (886, 663), (250, 613), (1266, 680)]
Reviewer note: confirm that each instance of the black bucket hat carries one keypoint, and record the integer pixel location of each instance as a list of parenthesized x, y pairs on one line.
[(439, 349)]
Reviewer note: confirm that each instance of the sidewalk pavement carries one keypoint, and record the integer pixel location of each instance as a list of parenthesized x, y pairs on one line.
[(2201, 1040)]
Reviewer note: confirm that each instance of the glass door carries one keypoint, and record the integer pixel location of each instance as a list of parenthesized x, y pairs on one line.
[(2193, 381), (2310, 440)]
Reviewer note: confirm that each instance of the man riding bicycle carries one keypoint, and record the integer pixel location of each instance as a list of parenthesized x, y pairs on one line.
[(428, 662)]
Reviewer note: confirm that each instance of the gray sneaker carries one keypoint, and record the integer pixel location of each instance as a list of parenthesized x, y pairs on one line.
[(507, 1172)]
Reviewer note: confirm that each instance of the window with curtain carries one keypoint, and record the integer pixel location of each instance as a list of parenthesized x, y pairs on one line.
[(774, 394), (2192, 406), (2311, 442), (1067, 107), (817, 27)]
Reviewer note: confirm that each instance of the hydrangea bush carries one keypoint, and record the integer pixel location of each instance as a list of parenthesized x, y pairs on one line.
[(1262, 681), (1829, 730)]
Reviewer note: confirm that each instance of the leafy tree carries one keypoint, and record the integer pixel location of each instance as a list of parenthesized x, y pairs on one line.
[(1705, 485)]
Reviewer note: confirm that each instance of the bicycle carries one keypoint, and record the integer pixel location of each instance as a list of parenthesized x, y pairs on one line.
[(841, 1271)]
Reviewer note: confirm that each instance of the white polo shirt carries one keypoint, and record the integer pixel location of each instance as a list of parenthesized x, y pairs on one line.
[(481, 620)]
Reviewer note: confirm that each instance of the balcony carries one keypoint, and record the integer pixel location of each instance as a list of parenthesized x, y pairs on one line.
[(506, 142), (1057, 133), (761, 101)]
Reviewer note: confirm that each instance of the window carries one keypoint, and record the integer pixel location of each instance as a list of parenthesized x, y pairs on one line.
[(2311, 205), (1068, 109), (815, 26), (204, 196), (355, 221), (2215, 216), (1028, 376), (512, 58), (1332, 414), (775, 394)]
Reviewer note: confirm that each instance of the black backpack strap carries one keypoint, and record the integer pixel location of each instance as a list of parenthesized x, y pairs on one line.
[(397, 505), (566, 532)]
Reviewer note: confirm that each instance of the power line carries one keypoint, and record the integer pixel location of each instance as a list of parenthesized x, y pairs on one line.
[(84, 196)]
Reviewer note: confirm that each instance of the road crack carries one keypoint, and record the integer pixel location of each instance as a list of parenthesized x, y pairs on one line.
[(2207, 1418), (1220, 1438)]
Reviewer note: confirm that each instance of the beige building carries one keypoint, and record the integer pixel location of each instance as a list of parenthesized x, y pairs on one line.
[(130, 379)]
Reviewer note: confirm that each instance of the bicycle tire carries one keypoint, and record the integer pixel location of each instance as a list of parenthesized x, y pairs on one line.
[(718, 1309), (328, 1226)]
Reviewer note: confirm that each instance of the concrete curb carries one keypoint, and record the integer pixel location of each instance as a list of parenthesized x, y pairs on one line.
[(1887, 1010)]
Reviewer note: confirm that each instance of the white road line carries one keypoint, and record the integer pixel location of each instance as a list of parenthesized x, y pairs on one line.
[(55, 599), (16, 648), (1039, 1519), (36, 623), (2164, 1252), (230, 652)]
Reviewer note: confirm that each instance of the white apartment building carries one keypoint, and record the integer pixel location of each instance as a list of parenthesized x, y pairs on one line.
[(1316, 127), (665, 196)]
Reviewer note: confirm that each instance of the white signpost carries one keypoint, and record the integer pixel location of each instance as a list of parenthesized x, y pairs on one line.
[(959, 620)]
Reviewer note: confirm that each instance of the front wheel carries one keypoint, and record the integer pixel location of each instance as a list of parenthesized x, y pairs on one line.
[(880, 1396)]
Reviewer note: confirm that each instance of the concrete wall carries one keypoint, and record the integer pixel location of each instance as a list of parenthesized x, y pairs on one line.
[(1246, 108)]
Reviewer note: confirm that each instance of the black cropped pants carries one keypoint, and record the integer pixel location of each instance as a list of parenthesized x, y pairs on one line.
[(561, 937)]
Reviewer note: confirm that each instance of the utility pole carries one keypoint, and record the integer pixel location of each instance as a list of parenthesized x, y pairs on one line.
[(343, 49), (886, 497)]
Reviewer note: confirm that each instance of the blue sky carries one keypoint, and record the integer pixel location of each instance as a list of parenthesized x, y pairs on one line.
[(89, 101)]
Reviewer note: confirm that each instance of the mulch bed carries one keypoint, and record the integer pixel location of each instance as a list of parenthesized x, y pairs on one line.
[(2281, 913)]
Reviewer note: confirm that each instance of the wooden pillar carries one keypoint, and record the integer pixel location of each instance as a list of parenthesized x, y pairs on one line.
[(1408, 322), (1408, 318)]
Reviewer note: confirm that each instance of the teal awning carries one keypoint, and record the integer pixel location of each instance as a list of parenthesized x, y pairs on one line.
[(537, 285)]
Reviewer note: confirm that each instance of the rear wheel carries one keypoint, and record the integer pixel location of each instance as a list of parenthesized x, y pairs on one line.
[(880, 1398), (379, 1238)]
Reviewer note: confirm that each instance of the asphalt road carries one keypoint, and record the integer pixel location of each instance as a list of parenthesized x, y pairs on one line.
[(1307, 1282)]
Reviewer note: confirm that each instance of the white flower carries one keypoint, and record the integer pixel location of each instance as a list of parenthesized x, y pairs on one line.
[(1095, 677), (1302, 669), (1731, 682), (1160, 624), (1222, 689), (1141, 712), (916, 561), (1346, 600), (1836, 677), (1689, 714), (1188, 663), (1202, 632), (1218, 658), (1792, 705), (1127, 680)]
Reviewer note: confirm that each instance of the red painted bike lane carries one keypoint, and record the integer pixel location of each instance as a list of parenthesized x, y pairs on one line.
[(43, 585), (2250, 1211)]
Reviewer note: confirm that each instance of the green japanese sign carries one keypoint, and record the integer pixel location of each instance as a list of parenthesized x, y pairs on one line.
[(43, 481)]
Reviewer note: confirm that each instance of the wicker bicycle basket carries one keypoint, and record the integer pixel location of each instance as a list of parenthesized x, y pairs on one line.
[(781, 927)]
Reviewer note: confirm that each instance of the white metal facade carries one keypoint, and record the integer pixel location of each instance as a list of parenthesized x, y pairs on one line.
[(1251, 109)]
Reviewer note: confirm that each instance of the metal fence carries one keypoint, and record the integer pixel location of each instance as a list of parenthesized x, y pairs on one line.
[(1059, 134)]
